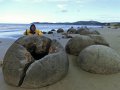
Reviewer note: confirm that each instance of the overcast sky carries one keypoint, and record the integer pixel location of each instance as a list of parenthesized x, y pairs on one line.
[(27, 11)]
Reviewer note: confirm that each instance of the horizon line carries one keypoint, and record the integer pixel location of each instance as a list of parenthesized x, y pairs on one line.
[(54, 22)]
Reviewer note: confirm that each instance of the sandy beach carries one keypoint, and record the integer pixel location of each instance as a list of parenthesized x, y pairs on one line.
[(76, 79)]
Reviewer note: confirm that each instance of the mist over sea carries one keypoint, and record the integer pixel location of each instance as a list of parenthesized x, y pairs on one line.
[(15, 31)]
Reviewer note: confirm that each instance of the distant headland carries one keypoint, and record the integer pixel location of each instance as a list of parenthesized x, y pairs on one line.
[(73, 23), (79, 23)]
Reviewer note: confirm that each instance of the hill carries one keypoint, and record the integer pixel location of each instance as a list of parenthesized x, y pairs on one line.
[(74, 23)]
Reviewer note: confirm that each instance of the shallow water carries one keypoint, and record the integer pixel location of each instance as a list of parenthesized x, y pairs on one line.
[(16, 30)]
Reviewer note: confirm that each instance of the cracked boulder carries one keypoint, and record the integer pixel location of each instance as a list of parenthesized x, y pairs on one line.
[(99, 59), (34, 61)]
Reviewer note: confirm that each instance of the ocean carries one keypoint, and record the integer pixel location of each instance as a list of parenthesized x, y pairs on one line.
[(15, 31)]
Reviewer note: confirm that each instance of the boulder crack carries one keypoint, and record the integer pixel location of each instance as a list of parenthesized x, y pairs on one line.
[(24, 73)]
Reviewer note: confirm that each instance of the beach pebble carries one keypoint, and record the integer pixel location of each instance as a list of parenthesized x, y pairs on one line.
[(76, 44), (99, 59), (34, 61)]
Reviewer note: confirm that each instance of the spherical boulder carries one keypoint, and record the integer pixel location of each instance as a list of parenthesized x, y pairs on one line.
[(95, 32), (34, 61), (86, 31), (71, 30), (82, 31), (99, 59), (77, 44), (60, 30), (66, 35), (99, 39), (53, 30), (50, 32), (44, 32)]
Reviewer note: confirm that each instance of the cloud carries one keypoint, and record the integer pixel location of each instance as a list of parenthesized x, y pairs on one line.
[(28, 1), (58, 1), (1, 0), (37, 1), (64, 11), (62, 7), (83, 1)]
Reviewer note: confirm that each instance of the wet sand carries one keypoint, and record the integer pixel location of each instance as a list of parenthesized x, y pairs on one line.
[(76, 79)]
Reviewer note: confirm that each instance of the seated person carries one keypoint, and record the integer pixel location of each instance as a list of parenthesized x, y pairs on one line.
[(33, 31)]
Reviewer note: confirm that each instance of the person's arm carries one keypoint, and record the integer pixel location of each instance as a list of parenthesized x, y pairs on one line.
[(40, 33)]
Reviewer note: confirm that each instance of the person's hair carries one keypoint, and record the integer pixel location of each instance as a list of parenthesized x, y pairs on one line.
[(32, 26)]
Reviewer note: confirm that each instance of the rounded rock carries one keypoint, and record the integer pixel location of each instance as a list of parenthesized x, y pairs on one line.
[(71, 30), (95, 32), (82, 31), (86, 31), (77, 44), (99, 59), (50, 32), (60, 30), (99, 39), (34, 61)]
